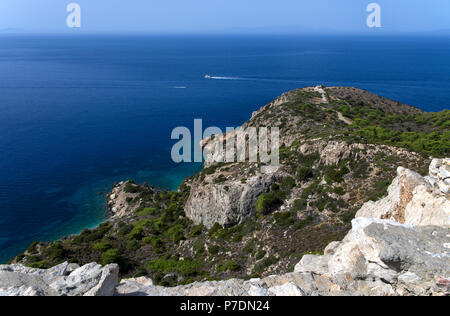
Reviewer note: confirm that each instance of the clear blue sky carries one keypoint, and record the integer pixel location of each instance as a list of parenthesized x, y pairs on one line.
[(224, 16)]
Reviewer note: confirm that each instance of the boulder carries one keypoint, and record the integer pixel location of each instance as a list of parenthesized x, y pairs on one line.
[(90, 280), (413, 199), (62, 280), (22, 284), (313, 264), (288, 289)]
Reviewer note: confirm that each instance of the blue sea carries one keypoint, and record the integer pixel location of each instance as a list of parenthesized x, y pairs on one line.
[(78, 113)]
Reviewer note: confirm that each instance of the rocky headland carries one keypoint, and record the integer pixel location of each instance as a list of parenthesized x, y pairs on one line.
[(338, 217)]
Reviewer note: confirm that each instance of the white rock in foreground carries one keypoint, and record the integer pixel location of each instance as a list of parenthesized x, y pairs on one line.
[(414, 199), (62, 280)]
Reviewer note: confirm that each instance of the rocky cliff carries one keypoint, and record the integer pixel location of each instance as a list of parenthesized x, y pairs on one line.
[(379, 256), (399, 245), (315, 122)]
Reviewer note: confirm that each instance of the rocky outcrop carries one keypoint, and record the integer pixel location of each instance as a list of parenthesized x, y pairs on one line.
[(378, 257), (62, 280), (406, 259), (439, 176), (227, 195), (414, 199), (118, 200), (399, 245), (227, 203)]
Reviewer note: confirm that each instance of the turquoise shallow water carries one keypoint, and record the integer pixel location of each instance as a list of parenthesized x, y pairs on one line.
[(80, 113)]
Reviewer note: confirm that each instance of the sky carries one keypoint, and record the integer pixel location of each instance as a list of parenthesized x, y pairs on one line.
[(225, 16)]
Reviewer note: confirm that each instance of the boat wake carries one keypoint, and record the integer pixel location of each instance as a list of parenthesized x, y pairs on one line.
[(226, 78), (253, 79)]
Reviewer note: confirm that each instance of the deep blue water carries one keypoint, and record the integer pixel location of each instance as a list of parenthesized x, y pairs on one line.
[(79, 113)]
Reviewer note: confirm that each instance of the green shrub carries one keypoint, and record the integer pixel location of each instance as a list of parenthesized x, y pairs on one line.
[(260, 254), (213, 250), (266, 202), (138, 229), (287, 184), (198, 247), (32, 248), (133, 245), (175, 233), (130, 187), (238, 237), (334, 174), (124, 229), (216, 227), (380, 189), (339, 191), (187, 267), (155, 242), (136, 233), (55, 252), (43, 264), (264, 264), (348, 216), (304, 173), (147, 211), (101, 246), (309, 160), (285, 219), (111, 256), (361, 169), (220, 179), (249, 248), (299, 205), (88, 235), (196, 230), (314, 187), (229, 265), (303, 223)]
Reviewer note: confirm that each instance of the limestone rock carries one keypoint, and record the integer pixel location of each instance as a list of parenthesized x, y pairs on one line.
[(313, 264), (413, 199), (118, 201), (108, 281), (22, 284), (392, 252), (61, 280), (334, 152), (331, 248), (91, 279), (228, 203), (288, 289), (440, 175)]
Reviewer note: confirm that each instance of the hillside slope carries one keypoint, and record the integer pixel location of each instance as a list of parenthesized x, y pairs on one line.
[(397, 246), (340, 148)]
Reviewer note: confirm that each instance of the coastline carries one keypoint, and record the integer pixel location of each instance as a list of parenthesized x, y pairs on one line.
[(94, 209)]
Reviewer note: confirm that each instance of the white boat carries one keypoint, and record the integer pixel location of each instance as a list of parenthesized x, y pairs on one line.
[(208, 77)]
